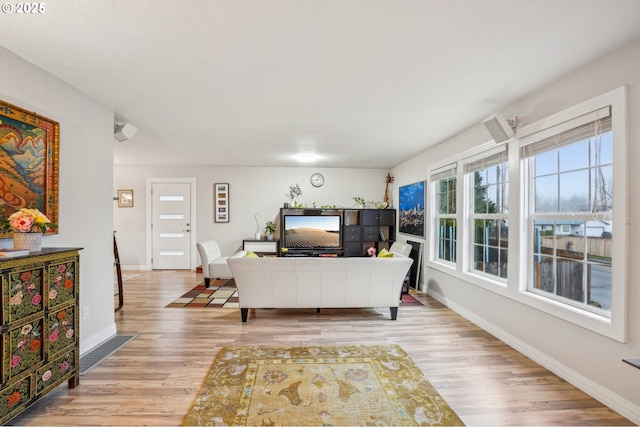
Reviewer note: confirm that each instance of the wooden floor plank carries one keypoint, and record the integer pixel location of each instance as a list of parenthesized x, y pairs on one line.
[(155, 377)]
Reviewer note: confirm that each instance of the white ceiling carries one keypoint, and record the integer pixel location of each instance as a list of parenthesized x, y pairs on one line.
[(368, 83)]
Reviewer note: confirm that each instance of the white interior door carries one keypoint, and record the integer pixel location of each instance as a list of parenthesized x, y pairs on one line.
[(171, 225)]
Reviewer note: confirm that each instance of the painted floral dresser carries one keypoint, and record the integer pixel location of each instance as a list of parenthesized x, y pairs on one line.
[(40, 326)]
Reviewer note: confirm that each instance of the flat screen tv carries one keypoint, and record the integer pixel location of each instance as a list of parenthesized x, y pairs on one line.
[(312, 232)]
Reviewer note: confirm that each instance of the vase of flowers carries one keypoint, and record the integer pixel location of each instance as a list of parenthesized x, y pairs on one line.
[(28, 226)]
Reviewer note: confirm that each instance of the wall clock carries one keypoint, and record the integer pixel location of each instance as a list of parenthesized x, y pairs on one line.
[(317, 180)]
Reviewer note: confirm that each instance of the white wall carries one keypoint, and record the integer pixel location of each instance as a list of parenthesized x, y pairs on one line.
[(86, 158), (251, 190), (588, 360)]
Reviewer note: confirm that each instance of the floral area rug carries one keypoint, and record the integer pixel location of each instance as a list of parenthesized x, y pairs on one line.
[(340, 385), (224, 294)]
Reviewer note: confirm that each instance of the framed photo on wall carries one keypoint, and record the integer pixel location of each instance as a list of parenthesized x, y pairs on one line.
[(29, 162), (221, 202), (125, 198), (411, 209)]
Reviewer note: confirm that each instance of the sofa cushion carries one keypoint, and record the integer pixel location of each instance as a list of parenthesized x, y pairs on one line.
[(250, 254), (385, 254)]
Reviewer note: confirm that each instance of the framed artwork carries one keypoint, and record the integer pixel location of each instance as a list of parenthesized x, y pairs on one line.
[(29, 162), (221, 204), (125, 198), (411, 209)]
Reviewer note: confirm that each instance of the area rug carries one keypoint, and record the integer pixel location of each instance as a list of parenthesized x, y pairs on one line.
[(219, 294), (224, 294), (339, 385)]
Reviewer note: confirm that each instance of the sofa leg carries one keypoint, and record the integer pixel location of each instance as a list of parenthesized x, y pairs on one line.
[(394, 312), (207, 282), (243, 313)]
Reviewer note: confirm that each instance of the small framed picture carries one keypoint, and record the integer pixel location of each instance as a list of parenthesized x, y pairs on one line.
[(125, 198), (221, 202)]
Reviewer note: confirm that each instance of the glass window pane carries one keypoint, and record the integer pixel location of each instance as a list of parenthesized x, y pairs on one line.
[(503, 264), (447, 239), (569, 279), (546, 191), (574, 194), (602, 189), (492, 199), (599, 285), (493, 174), (546, 163), (574, 156), (543, 273), (543, 237), (602, 150)]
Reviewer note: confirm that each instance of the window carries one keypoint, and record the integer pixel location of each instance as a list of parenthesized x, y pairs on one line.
[(444, 183), (487, 179), (569, 176), (560, 237)]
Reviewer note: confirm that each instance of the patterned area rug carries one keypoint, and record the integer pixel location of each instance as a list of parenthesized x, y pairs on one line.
[(340, 385), (219, 294), (223, 294)]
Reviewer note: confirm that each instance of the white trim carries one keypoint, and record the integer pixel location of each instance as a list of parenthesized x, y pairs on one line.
[(89, 343)]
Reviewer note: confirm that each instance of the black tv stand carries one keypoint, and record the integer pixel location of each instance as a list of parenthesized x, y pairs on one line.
[(320, 254), (360, 230)]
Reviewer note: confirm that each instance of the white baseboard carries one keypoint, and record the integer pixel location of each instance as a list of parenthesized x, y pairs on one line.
[(89, 343), (137, 267), (607, 397)]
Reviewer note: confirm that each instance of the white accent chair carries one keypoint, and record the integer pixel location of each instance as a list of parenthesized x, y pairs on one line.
[(214, 265), (403, 249)]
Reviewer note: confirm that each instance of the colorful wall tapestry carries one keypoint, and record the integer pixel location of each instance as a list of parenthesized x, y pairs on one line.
[(29, 150)]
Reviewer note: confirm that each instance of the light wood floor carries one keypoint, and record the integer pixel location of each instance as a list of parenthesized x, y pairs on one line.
[(154, 378)]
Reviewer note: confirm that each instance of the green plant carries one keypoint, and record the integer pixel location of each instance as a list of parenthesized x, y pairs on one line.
[(360, 201), (294, 191), (270, 227)]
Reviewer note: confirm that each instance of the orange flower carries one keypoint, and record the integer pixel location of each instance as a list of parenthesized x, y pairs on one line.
[(34, 345), (68, 283), (14, 398), (62, 314)]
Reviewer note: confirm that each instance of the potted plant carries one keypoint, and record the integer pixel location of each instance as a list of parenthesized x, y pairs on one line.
[(269, 229)]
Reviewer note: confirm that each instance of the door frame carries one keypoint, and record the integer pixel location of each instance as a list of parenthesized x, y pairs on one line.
[(148, 220)]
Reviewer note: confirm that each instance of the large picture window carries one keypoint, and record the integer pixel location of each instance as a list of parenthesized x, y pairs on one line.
[(569, 175)]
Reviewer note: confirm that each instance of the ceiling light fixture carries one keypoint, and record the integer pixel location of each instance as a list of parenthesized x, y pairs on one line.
[(307, 157)]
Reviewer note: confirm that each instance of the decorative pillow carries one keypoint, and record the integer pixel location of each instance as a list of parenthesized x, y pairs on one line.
[(250, 254), (385, 254)]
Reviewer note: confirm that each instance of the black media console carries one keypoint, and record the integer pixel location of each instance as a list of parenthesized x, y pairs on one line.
[(335, 232)]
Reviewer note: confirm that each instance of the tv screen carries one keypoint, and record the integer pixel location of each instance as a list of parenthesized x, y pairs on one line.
[(312, 232)]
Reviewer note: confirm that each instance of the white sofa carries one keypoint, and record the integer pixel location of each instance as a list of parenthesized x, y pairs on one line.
[(317, 282)]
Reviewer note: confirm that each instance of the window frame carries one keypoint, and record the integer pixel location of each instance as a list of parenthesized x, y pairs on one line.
[(614, 326), (471, 216), (435, 176), (520, 240)]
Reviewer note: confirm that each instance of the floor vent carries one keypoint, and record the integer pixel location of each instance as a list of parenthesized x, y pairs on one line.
[(93, 358)]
